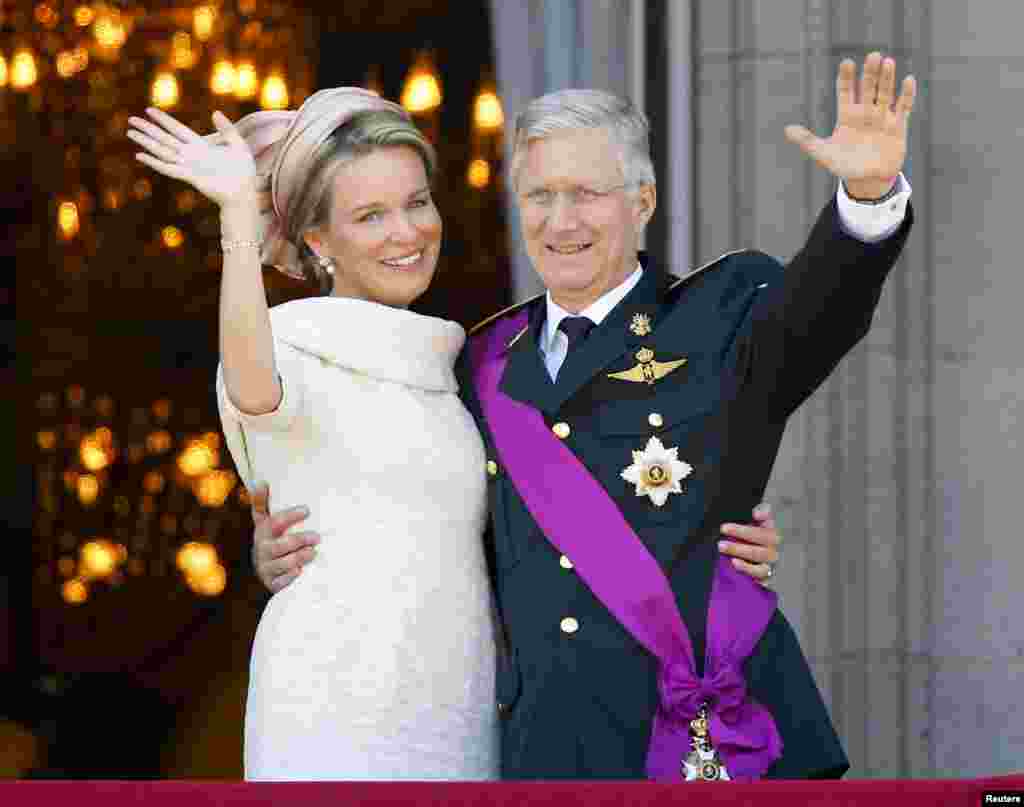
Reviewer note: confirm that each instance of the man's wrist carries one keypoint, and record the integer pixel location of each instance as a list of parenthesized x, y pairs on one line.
[(872, 192)]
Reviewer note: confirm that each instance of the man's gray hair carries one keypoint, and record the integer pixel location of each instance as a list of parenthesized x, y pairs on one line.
[(572, 110)]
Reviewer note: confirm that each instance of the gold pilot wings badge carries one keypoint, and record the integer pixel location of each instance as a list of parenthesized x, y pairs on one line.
[(648, 370)]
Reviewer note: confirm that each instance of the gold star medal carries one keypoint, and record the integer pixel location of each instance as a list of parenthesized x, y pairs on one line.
[(640, 325), (657, 472)]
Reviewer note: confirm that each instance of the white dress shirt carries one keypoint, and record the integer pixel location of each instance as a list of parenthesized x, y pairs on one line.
[(864, 221)]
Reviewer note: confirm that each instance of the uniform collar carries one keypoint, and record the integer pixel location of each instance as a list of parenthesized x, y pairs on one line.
[(596, 312)]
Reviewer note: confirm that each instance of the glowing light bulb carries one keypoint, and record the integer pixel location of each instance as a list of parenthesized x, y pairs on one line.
[(479, 174), (222, 79), (422, 90), (274, 94), (487, 114), (67, 220), (23, 69), (164, 92), (247, 83)]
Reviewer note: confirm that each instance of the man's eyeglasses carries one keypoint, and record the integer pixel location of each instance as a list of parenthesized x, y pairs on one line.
[(579, 197)]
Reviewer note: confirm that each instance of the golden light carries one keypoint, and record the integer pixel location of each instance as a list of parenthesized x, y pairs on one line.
[(66, 567), (23, 69), (222, 79), (67, 220), (251, 32), (142, 189), (111, 199), (422, 90), (212, 439), (487, 114), (274, 94), (172, 237), (84, 15), (164, 92), (3, 70), (158, 442), (210, 584), (247, 83), (67, 64), (196, 558), (110, 31), (46, 16), (74, 592), (153, 482), (47, 439), (213, 488), (98, 559), (71, 480), (197, 458), (162, 409), (203, 19), (183, 55), (81, 54), (97, 449), (88, 489), (479, 174)]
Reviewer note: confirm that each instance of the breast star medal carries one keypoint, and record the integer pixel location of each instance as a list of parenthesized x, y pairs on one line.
[(702, 764), (640, 324), (657, 471), (648, 370)]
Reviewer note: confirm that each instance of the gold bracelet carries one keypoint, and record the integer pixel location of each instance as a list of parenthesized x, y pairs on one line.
[(227, 246)]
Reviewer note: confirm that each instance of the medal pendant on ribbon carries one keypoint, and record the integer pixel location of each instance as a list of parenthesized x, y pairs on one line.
[(657, 472), (703, 764)]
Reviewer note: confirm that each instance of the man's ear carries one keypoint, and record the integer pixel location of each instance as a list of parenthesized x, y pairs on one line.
[(646, 201)]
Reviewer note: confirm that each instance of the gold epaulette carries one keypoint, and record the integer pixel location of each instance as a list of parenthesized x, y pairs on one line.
[(503, 312), (701, 269)]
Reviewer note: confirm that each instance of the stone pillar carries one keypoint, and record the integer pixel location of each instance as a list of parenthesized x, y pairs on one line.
[(855, 479)]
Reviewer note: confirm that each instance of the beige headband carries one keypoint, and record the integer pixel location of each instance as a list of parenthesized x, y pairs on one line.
[(283, 144)]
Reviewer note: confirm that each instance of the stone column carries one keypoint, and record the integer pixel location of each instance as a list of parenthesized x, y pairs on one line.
[(855, 479)]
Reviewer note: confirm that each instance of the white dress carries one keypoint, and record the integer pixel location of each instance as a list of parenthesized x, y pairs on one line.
[(377, 662)]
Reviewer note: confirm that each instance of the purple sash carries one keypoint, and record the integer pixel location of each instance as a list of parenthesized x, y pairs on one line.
[(625, 577)]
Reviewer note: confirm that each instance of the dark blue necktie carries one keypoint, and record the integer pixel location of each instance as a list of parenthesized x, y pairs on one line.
[(576, 329)]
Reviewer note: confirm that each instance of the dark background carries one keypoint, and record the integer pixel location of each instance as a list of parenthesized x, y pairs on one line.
[(146, 678)]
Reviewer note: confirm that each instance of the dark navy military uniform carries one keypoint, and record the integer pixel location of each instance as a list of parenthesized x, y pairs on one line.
[(576, 692)]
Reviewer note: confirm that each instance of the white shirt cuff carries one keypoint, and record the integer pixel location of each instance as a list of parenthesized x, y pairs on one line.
[(873, 223)]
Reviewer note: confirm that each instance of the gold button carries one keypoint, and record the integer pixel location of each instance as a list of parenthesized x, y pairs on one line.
[(569, 625), (656, 420), (492, 468), (561, 430), (564, 562)]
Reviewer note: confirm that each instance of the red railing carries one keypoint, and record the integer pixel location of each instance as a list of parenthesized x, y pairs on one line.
[(852, 793)]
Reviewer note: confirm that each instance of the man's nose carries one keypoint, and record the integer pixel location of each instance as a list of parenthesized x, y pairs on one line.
[(563, 213)]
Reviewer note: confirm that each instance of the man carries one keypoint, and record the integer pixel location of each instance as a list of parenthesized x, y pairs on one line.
[(627, 412)]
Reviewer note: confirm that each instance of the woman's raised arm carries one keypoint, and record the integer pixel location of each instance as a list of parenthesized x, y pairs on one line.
[(222, 168)]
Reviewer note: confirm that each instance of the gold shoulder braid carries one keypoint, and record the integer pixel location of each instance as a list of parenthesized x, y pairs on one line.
[(503, 312)]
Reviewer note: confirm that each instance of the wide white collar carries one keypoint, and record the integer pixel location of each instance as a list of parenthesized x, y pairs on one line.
[(391, 344)]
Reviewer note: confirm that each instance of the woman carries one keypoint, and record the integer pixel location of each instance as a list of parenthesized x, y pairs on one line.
[(378, 661)]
